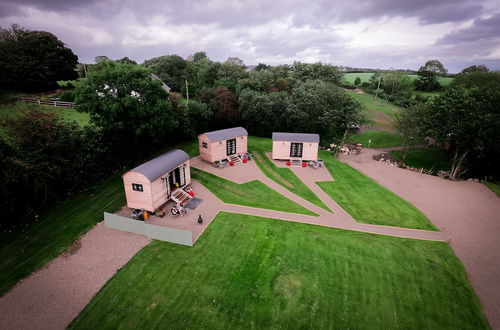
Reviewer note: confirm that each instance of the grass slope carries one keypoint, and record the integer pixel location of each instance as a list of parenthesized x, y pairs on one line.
[(376, 139), (287, 179), (253, 193), (255, 273), (25, 251), (425, 158), (367, 201)]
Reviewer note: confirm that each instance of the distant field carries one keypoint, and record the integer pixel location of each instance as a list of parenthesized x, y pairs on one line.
[(365, 77)]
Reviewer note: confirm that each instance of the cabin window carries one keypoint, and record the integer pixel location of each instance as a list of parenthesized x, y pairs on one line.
[(137, 187), (204, 145), (230, 147), (296, 149)]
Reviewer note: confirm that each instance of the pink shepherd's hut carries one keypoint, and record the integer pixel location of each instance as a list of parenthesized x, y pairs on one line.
[(150, 185), (223, 144), (295, 146)]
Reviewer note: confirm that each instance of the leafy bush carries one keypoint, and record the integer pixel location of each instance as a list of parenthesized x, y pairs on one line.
[(68, 96)]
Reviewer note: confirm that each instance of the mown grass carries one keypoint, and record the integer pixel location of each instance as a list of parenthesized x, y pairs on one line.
[(247, 272), (287, 179), (367, 201), (495, 187), (376, 139), (426, 158), (253, 193), (27, 249)]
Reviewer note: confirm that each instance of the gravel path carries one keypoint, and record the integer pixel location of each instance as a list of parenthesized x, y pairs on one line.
[(53, 296), (466, 211)]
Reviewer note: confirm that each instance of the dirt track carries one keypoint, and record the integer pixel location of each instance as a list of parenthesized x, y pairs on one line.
[(467, 211)]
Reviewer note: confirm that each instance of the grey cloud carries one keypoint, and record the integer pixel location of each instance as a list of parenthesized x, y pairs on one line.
[(482, 29)]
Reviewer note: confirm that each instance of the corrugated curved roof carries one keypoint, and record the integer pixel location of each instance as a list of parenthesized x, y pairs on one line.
[(224, 134), (162, 164), (296, 137)]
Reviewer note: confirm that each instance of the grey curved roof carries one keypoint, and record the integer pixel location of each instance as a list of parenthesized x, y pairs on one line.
[(296, 137), (162, 164), (227, 133)]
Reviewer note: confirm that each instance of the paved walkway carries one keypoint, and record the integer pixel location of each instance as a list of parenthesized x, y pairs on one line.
[(468, 212), (339, 219)]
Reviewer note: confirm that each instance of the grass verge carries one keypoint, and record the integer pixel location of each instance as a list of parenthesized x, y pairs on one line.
[(253, 193), (248, 272), (367, 201), (24, 251), (426, 158), (495, 187), (287, 179)]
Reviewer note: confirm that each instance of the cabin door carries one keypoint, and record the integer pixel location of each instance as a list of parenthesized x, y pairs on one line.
[(231, 147), (296, 149)]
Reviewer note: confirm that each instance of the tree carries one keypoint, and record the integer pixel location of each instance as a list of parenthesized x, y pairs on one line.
[(230, 73), (475, 68), (126, 60), (428, 75), (199, 56), (323, 108), (466, 122), (34, 60), (224, 105), (170, 69), (357, 81), (127, 105), (100, 58), (477, 80), (325, 72), (263, 112), (262, 66)]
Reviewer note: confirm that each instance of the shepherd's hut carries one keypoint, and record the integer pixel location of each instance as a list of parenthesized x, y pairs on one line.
[(225, 144), (150, 185), (295, 146)]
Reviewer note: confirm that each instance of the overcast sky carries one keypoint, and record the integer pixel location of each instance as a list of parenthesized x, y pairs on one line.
[(364, 33)]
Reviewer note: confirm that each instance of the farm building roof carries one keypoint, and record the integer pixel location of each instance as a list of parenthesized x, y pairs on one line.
[(160, 165), (227, 133), (296, 137)]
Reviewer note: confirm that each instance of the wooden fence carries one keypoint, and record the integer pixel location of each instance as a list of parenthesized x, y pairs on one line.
[(58, 104)]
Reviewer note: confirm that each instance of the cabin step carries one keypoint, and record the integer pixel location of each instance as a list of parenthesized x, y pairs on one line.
[(234, 158), (180, 196), (296, 162)]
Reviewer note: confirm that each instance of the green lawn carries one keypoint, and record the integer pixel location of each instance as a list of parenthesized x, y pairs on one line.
[(13, 110), (26, 250), (367, 201), (260, 144), (253, 193), (365, 77), (287, 179), (379, 139), (495, 187), (426, 158), (247, 272), (377, 111)]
